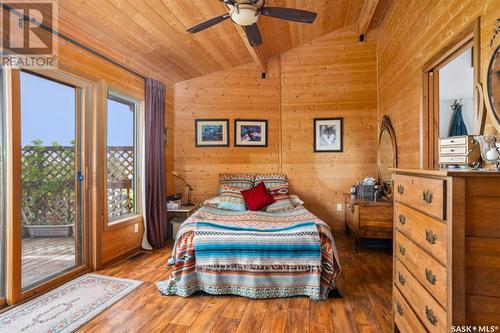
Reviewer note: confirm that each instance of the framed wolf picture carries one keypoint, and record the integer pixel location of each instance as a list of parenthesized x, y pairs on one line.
[(328, 135)]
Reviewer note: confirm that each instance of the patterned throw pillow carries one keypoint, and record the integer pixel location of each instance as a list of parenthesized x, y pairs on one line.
[(281, 195), (243, 181), (271, 179), (231, 199)]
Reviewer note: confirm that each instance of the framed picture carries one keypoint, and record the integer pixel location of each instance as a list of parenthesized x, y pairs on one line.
[(328, 135), (250, 133), (212, 132)]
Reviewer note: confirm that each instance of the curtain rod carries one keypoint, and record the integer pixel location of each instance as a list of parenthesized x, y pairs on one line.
[(72, 41)]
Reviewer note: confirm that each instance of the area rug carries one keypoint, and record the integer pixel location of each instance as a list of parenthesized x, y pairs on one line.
[(68, 307)]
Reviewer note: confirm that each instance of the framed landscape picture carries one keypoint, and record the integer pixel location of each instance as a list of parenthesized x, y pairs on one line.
[(250, 133), (328, 135), (212, 132)]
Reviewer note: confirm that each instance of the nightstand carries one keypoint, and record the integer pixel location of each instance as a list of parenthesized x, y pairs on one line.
[(368, 219), (176, 217)]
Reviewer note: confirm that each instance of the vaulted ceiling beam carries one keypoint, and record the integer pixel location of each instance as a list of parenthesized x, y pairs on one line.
[(366, 16), (256, 54)]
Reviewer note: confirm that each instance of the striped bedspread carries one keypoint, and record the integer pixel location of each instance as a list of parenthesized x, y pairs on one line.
[(253, 254)]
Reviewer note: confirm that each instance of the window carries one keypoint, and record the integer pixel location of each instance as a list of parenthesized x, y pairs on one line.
[(456, 89), (121, 150)]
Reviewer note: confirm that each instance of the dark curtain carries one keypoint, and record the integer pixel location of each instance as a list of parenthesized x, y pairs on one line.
[(155, 213), (457, 124)]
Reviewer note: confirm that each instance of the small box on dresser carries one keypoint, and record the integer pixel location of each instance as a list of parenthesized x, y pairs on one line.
[(446, 249)]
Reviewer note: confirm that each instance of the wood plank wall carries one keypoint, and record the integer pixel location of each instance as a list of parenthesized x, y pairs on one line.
[(334, 76), (235, 93), (411, 33)]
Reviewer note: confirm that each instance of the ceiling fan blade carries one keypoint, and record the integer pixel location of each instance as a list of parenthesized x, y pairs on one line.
[(289, 14), (207, 24), (253, 34)]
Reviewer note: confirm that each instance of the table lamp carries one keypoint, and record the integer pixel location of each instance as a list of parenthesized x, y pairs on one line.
[(189, 187)]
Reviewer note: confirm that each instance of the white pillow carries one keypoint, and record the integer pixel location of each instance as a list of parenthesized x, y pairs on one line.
[(296, 201), (212, 201)]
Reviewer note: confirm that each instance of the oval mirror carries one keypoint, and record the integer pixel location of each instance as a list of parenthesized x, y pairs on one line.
[(387, 155), (493, 85)]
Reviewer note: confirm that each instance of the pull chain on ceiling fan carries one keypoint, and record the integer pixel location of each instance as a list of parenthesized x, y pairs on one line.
[(247, 12)]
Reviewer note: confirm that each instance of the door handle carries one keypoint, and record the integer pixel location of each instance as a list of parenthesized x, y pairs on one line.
[(80, 177)]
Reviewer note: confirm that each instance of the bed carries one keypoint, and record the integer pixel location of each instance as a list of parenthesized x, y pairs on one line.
[(253, 254)]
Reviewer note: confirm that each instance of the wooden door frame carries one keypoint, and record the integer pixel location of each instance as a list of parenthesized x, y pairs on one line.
[(14, 291), (429, 134)]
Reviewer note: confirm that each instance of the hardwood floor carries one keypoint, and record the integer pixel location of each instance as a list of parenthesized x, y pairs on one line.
[(365, 284)]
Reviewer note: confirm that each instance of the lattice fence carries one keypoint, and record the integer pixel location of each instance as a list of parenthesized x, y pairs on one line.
[(120, 176), (48, 189)]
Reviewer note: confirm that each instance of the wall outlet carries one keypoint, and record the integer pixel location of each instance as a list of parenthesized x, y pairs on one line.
[(136, 228), (339, 207)]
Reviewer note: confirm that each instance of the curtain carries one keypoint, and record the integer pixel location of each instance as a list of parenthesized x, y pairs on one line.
[(457, 122), (155, 205)]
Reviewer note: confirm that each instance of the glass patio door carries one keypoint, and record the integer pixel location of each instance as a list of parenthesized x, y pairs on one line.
[(49, 208), (51, 178)]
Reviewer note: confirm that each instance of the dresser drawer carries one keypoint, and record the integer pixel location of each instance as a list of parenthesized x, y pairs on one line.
[(452, 159), (427, 232), (404, 317), (462, 140), (425, 194), (453, 150), (428, 271), (432, 315)]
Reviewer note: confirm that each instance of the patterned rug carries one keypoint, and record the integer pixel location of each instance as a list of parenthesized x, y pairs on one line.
[(68, 307)]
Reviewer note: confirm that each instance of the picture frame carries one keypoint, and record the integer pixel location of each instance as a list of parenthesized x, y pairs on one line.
[(250, 133), (328, 135), (211, 132)]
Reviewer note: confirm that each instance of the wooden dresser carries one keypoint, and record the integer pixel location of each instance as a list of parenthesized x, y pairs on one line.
[(368, 219), (446, 249)]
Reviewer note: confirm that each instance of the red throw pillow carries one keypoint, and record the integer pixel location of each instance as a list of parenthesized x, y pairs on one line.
[(257, 198)]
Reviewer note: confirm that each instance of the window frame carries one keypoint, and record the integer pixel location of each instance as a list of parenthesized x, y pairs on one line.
[(15, 293), (132, 99), (429, 116)]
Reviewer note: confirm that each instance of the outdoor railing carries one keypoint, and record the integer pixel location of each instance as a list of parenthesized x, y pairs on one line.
[(49, 183)]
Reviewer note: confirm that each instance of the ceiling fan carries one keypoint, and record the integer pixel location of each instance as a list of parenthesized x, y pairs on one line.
[(247, 12)]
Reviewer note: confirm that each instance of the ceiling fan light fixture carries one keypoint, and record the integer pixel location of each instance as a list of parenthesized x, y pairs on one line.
[(244, 15)]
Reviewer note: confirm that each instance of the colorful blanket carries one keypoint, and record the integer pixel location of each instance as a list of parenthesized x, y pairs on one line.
[(253, 254)]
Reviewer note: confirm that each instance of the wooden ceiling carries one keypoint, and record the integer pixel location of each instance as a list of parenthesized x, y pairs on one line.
[(150, 35)]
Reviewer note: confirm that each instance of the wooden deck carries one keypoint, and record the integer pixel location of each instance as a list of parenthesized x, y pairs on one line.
[(365, 284), (43, 257)]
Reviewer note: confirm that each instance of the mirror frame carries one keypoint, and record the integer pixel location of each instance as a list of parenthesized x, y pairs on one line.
[(495, 51), (386, 126)]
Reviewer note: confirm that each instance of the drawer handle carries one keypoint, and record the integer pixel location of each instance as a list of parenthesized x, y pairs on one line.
[(431, 317), (352, 209), (427, 196), (402, 279), (400, 309), (402, 249), (401, 189), (430, 236), (402, 219), (430, 277)]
